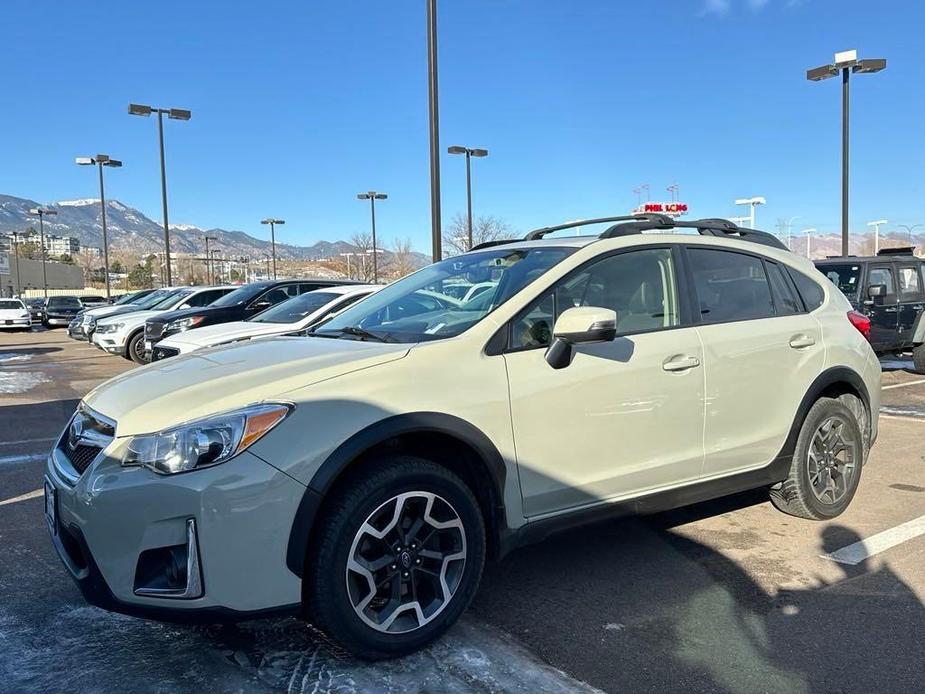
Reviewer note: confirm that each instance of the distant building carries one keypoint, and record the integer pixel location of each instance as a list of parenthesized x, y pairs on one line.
[(54, 245)]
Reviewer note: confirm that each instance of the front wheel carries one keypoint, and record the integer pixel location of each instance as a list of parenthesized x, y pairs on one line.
[(398, 558), (827, 462), (918, 358), (135, 348)]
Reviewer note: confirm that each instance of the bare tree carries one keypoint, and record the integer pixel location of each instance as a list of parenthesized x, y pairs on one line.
[(484, 229), (402, 261)]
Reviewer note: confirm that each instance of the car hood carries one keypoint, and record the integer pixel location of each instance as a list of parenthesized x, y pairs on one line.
[(111, 310), (9, 313), (180, 389), (133, 317), (225, 332)]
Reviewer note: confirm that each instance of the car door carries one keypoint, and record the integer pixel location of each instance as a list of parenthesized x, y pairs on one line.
[(762, 350), (271, 297), (883, 311), (910, 299), (625, 416)]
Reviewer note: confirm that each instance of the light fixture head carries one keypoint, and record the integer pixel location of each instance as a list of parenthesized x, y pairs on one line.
[(870, 65), (456, 149), (139, 110), (877, 223), (116, 163), (817, 74), (479, 152), (846, 58), (381, 196), (84, 161), (179, 114)]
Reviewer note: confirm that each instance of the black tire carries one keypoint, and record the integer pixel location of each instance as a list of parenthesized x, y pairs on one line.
[(135, 348), (918, 358), (325, 593), (795, 495)]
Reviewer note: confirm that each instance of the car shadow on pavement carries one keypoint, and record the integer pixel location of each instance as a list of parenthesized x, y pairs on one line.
[(35, 420), (634, 605)]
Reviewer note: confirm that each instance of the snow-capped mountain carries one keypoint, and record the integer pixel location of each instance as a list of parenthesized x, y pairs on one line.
[(130, 230)]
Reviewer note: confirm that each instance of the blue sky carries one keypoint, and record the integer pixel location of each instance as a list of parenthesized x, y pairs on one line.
[(298, 106)]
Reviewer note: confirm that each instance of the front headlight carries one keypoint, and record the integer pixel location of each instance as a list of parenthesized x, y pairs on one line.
[(110, 328), (181, 324), (203, 442), (89, 320)]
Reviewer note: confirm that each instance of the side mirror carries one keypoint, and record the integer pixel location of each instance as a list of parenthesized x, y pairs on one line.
[(582, 325), (876, 290), (182, 306)]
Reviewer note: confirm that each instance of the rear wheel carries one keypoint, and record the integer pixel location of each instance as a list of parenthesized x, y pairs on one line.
[(135, 348), (827, 462), (918, 358), (398, 558)]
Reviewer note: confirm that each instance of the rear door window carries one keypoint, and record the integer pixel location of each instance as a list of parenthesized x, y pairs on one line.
[(910, 283), (731, 286), (883, 274), (809, 290), (786, 302)]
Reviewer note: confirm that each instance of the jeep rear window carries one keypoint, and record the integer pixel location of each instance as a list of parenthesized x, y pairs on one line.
[(847, 276)]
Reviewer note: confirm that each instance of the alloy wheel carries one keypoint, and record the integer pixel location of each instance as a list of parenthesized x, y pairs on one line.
[(406, 562), (832, 460)]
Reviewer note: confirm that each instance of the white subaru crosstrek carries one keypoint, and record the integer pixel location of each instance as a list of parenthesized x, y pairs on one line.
[(362, 475)]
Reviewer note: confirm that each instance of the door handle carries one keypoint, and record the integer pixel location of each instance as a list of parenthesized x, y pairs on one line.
[(680, 362), (892, 309), (918, 307), (801, 341)]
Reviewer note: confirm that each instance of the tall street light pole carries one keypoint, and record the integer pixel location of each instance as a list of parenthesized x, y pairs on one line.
[(174, 114), (789, 226), (210, 276), (809, 237), (752, 203), (469, 152), (910, 229), (372, 196), (876, 225), (845, 63), (273, 222), (266, 257), (434, 120), (43, 212), (101, 160)]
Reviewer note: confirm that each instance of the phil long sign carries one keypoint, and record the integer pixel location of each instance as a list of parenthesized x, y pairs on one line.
[(672, 209)]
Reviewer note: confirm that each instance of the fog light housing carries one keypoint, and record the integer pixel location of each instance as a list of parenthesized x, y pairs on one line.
[(171, 572)]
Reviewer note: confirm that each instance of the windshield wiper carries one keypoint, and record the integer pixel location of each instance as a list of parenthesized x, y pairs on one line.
[(355, 331)]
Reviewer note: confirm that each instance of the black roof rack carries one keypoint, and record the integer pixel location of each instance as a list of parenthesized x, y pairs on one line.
[(900, 250), (540, 233), (490, 244)]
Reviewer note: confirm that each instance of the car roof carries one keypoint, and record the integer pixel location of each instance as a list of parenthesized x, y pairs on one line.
[(345, 288), (841, 260)]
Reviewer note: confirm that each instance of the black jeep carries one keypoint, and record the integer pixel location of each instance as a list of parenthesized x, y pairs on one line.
[(888, 288)]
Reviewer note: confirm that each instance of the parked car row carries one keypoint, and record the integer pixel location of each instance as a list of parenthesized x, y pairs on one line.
[(56, 311)]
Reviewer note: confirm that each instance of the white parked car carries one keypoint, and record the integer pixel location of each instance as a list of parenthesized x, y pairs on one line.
[(14, 315), (299, 313), (125, 334), (84, 323)]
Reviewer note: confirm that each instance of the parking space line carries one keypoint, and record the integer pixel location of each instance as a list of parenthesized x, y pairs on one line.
[(902, 385), (860, 551), (20, 459), (24, 497)]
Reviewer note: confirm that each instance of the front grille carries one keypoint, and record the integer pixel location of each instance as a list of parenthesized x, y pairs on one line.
[(87, 434), (81, 456), (154, 330), (159, 353)]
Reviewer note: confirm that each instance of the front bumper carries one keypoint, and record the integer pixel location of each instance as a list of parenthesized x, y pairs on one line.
[(15, 323), (243, 511), (114, 343), (58, 320)]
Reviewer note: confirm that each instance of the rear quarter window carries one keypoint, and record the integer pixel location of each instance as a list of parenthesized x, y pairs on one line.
[(810, 291)]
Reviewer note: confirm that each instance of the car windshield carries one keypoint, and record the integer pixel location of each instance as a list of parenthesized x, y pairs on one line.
[(241, 295), (8, 304), (64, 302), (418, 308), (124, 299), (169, 302), (154, 298), (92, 299), (846, 277), (295, 309)]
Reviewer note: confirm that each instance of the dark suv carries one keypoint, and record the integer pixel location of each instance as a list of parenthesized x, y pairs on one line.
[(242, 303), (889, 289)]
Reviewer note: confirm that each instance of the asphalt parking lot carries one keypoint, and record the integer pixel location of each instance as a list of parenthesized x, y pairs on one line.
[(726, 596)]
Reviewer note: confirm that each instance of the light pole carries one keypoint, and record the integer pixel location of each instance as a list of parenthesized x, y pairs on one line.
[(846, 62), (876, 225), (43, 212), (789, 225), (372, 196), (433, 111), (273, 222), (209, 273), (469, 152), (101, 160), (673, 189), (909, 230), (215, 262), (174, 114), (752, 204), (266, 257), (348, 256), (808, 233)]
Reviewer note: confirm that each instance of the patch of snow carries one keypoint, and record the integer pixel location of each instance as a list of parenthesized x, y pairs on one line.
[(12, 356), (78, 203), (20, 381)]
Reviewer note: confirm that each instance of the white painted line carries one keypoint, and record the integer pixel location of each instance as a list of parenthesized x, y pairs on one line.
[(20, 459), (902, 385), (24, 497), (902, 417), (860, 551), (24, 441)]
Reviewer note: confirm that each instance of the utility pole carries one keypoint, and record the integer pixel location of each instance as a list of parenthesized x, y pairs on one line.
[(434, 121)]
